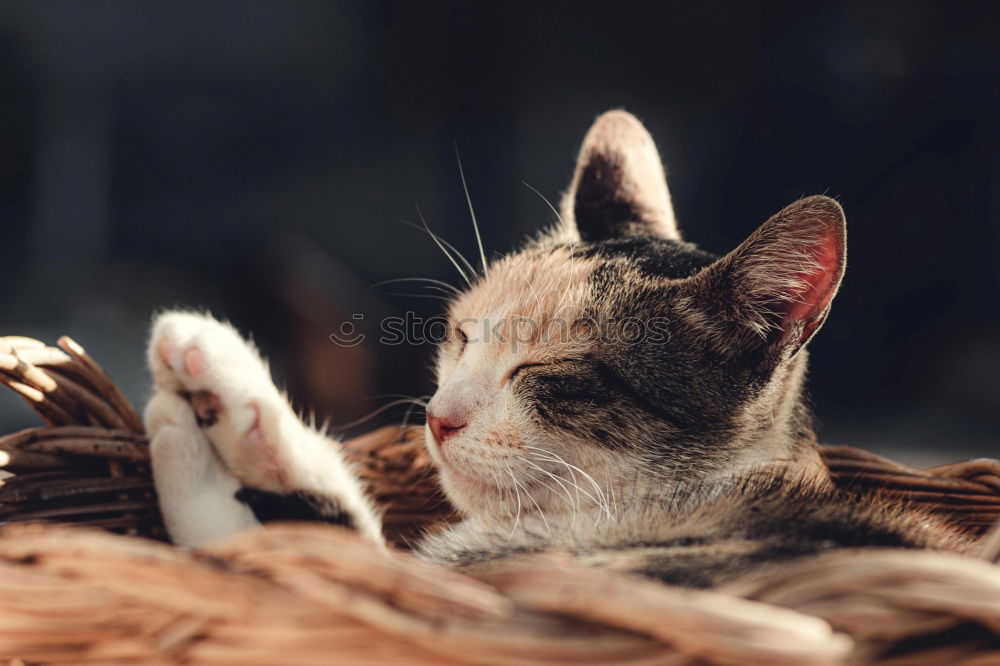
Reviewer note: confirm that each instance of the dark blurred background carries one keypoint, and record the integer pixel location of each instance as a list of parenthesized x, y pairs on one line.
[(256, 158)]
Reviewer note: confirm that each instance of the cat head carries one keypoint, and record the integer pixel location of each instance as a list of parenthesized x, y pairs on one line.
[(610, 353)]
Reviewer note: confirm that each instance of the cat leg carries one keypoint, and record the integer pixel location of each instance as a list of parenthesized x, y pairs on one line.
[(278, 460), (196, 492)]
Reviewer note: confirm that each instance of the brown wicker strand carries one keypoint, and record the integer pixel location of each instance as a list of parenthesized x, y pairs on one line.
[(104, 385)]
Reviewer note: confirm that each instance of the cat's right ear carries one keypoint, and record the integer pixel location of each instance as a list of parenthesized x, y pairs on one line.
[(619, 188)]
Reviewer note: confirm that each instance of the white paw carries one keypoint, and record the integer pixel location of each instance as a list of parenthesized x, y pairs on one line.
[(218, 423), (230, 392), (196, 493)]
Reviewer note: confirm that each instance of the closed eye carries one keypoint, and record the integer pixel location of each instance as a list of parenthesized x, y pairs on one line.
[(523, 366)]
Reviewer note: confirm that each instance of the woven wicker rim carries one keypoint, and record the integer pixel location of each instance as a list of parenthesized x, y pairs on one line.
[(316, 594)]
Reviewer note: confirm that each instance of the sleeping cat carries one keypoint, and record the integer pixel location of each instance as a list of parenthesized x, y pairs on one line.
[(649, 419)]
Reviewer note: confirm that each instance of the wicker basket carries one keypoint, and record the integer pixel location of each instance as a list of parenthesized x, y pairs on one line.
[(314, 594)]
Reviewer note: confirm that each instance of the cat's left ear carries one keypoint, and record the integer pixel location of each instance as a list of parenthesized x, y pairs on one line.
[(774, 291), (619, 188)]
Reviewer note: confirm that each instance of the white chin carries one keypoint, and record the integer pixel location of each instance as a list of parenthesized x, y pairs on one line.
[(468, 494)]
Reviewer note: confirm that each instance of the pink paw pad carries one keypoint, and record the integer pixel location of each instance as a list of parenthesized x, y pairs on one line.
[(194, 362), (254, 435), (255, 438), (165, 349), (206, 406)]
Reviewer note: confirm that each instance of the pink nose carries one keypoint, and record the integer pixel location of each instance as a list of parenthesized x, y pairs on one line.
[(443, 427)]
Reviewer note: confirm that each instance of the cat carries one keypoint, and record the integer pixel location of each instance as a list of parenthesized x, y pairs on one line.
[(649, 418)]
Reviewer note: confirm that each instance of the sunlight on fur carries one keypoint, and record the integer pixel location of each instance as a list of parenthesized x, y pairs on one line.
[(609, 391)]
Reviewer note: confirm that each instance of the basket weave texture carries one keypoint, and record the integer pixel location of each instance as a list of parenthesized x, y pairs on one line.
[(316, 594)]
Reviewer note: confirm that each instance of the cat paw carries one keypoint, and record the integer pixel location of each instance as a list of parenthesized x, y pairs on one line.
[(229, 390), (197, 495)]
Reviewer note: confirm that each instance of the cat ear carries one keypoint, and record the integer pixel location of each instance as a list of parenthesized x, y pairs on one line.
[(619, 188), (776, 288)]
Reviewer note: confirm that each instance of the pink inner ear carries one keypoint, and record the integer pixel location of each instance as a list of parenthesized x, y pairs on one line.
[(809, 302)]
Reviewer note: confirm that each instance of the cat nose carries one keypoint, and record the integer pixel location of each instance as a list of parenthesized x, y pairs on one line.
[(443, 427)]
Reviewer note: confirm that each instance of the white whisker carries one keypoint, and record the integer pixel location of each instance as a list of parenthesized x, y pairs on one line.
[(573, 482), (421, 399), (517, 517), (472, 213), (372, 414), (611, 490), (431, 281), (548, 203), (569, 496), (532, 499), (446, 299), (439, 239), (439, 244), (409, 410), (534, 291), (602, 502)]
